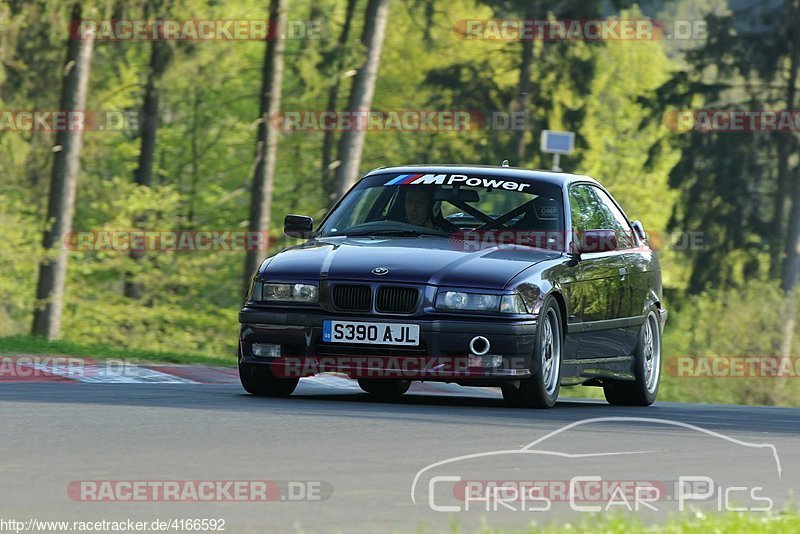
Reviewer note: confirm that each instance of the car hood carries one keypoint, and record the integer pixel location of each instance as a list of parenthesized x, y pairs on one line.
[(418, 260)]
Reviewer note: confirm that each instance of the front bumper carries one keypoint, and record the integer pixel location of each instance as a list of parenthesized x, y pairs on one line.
[(443, 353)]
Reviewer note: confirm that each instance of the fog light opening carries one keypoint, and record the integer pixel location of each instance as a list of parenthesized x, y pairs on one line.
[(266, 350), (479, 346), (492, 361)]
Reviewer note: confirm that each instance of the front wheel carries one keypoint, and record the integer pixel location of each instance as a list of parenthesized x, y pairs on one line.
[(258, 379), (647, 369), (541, 389)]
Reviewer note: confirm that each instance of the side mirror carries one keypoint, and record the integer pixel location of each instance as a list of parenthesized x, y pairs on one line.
[(596, 241), (298, 226), (639, 229)]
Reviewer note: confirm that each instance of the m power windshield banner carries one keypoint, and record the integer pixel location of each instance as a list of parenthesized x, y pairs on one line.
[(457, 179)]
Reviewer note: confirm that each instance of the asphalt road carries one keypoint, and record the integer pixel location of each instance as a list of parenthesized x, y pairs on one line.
[(358, 459)]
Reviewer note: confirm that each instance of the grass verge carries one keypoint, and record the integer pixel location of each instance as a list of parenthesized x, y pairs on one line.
[(787, 522), (36, 345)]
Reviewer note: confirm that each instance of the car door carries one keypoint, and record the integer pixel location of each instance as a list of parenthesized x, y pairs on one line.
[(636, 282), (600, 295)]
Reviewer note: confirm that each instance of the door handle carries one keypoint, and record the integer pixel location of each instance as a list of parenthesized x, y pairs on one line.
[(623, 272)]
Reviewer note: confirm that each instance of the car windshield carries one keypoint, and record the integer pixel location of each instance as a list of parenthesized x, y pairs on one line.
[(452, 206)]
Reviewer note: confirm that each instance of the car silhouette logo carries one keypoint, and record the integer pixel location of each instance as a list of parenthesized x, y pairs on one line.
[(380, 271)]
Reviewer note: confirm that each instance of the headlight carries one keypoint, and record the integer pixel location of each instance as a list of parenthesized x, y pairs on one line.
[(284, 292), (458, 300), (290, 292)]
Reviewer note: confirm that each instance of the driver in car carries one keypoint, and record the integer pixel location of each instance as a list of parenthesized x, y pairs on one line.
[(423, 210)]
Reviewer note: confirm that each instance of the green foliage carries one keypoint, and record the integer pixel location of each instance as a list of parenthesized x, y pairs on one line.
[(733, 322), (731, 185), (617, 146), (605, 92), (18, 250)]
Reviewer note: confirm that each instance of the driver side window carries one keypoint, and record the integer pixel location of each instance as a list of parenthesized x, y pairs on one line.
[(592, 209)]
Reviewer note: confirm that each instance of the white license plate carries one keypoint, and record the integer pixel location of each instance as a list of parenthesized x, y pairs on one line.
[(370, 333)]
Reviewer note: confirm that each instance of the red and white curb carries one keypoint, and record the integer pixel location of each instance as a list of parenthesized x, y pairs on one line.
[(72, 369)]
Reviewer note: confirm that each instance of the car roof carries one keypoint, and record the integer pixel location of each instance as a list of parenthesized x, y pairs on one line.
[(525, 175)]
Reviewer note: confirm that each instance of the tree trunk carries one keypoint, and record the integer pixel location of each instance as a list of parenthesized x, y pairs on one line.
[(159, 59), (143, 175), (777, 243), (267, 140), (195, 147), (791, 266), (329, 139), (523, 99), (351, 144), (783, 179), (63, 182)]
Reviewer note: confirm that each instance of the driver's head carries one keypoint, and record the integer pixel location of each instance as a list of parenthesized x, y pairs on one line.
[(419, 206)]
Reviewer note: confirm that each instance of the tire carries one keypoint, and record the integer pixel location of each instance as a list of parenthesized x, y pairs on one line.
[(258, 380), (384, 388), (541, 390), (647, 369)]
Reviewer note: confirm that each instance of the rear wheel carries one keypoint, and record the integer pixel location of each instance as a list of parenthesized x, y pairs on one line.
[(384, 388), (541, 389), (258, 379), (647, 369)]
